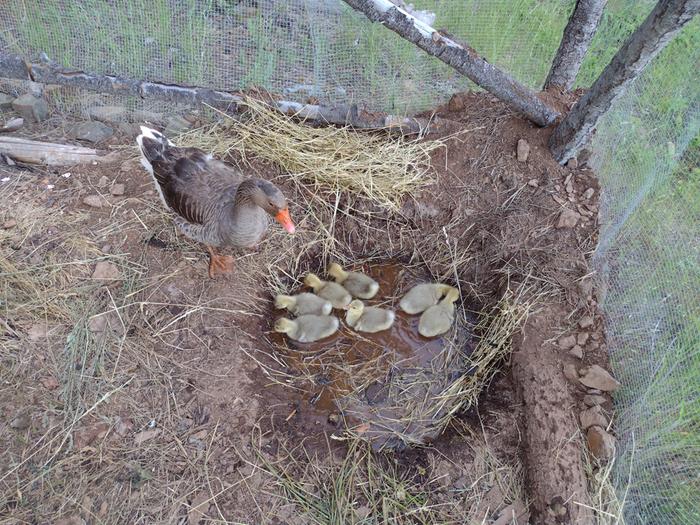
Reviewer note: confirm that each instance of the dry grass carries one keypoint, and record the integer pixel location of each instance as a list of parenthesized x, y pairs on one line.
[(333, 159), (363, 488), (606, 504)]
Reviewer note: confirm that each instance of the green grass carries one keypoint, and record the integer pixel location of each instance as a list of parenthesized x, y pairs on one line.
[(140, 38)]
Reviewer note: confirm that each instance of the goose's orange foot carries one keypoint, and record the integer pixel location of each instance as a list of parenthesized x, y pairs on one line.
[(219, 264)]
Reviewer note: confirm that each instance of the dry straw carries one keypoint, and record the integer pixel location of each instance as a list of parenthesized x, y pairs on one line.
[(372, 164)]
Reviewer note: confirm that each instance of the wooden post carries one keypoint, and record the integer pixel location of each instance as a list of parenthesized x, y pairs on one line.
[(665, 20), (574, 43), (459, 56)]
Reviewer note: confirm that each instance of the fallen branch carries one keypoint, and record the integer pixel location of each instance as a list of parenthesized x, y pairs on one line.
[(460, 56), (48, 72), (34, 152)]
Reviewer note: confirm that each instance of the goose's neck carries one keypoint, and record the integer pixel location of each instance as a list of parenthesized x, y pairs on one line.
[(244, 194)]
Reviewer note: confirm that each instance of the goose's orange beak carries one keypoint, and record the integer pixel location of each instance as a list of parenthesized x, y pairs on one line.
[(285, 220)]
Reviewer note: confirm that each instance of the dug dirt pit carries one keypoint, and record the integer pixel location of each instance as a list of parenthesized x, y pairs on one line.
[(384, 386)]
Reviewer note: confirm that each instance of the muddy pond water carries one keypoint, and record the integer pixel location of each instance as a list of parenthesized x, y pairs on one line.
[(350, 377)]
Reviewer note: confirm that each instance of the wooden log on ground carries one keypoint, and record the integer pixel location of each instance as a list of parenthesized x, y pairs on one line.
[(48, 72), (460, 56), (556, 483), (578, 34), (662, 24), (35, 152)]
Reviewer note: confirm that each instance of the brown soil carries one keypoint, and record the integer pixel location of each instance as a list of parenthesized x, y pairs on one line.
[(180, 389)]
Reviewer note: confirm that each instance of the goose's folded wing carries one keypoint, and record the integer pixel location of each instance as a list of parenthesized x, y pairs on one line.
[(193, 184)]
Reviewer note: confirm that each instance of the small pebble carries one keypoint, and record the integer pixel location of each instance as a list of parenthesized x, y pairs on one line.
[(117, 190), (576, 352), (9, 224), (94, 201), (586, 322)]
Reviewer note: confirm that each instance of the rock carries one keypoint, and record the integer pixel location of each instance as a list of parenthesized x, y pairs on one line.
[(576, 352), (20, 422), (515, 513), (6, 101), (12, 125), (31, 108), (105, 270), (145, 435), (94, 201), (573, 163), (104, 321), (9, 224), (533, 183), (593, 416), (588, 193), (176, 125), (522, 150), (600, 443), (131, 165), (567, 219), (456, 102), (49, 382), (362, 512), (117, 190), (199, 508), (70, 520), (123, 426), (592, 400), (426, 210), (129, 129), (586, 322), (570, 372), (88, 435), (566, 342), (111, 114), (141, 115), (599, 378), (582, 338), (38, 332), (93, 131)]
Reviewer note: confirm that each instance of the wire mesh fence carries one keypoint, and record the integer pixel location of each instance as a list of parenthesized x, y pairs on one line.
[(646, 153)]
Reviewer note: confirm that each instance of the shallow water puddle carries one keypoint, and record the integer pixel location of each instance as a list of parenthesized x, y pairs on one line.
[(370, 378)]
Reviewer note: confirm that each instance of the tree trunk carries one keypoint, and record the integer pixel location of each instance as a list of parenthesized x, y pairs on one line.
[(665, 20), (574, 43), (459, 56), (47, 72)]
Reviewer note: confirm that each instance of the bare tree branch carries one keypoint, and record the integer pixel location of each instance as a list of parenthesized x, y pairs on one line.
[(665, 20), (459, 56), (13, 66), (578, 34)]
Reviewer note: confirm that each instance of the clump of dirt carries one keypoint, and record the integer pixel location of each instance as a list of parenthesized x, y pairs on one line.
[(162, 399)]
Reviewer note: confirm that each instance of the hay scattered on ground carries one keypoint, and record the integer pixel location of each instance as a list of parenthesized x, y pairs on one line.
[(365, 488), (373, 164)]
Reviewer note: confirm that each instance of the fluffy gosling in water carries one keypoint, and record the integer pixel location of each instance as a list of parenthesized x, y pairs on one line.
[(368, 318), (358, 284), (308, 328)]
